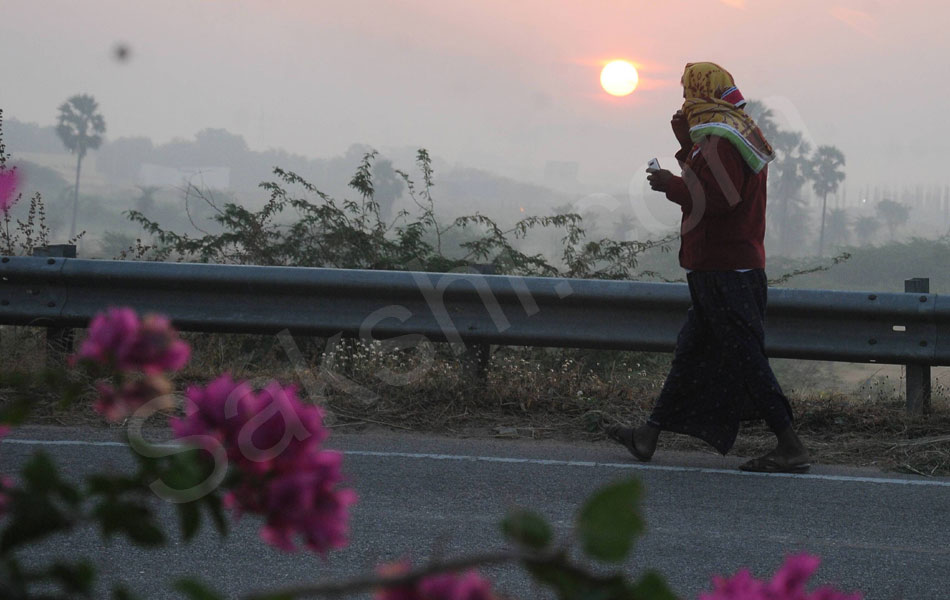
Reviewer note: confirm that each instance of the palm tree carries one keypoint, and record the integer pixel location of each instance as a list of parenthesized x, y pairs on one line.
[(792, 169), (894, 214), (80, 128), (826, 178), (764, 117)]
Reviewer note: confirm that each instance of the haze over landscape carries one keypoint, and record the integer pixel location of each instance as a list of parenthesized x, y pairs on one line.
[(334, 166), (491, 84), (507, 99)]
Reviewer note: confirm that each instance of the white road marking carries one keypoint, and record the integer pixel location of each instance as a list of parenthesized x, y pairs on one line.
[(72, 443), (545, 462), (647, 467)]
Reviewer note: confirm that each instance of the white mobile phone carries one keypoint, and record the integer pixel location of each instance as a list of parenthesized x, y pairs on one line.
[(653, 166)]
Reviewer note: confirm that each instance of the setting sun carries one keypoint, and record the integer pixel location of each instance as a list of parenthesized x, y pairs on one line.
[(619, 78)]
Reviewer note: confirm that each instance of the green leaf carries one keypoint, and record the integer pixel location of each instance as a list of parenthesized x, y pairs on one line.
[(189, 515), (134, 520), (15, 408), (213, 502), (110, 485), (652, 586), (572, 583), (75, 578), (32, 515), (40, 473), (527, 528), (120, 592), (610, 520), (29, 526), (187, 469), (196, 590)]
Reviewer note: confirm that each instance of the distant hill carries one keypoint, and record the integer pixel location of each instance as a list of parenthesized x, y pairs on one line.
[(119, 170)]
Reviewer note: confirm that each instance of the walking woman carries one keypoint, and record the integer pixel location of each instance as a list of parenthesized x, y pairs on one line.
[(720, 373)]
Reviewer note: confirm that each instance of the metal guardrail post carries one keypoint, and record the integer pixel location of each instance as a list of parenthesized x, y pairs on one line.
[(59, 340), (918, 376), (476, 357)]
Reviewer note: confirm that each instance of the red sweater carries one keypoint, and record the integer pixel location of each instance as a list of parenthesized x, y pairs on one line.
[(723, 225)]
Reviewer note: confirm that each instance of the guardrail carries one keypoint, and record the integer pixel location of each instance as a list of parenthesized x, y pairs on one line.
[(470, 308)]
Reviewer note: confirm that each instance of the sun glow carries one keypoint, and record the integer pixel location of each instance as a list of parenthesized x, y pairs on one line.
[(619, 78)]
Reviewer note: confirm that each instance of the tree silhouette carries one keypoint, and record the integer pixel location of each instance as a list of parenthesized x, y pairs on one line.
[(388, 187), (839, 231), (80, 128), (145, 203), (788, 173), (864, 228), (792, 169), (827, 175), (894, 214), (764, 118)]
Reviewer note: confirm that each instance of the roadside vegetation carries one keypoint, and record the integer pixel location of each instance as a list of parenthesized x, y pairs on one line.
[(539, 394), (531, 392), (247, 449)]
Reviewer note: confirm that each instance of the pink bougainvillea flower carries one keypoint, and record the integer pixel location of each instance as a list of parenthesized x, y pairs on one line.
[(205, 413), (788, 583), (156, 348), (441, 586), (111, 334), (741, 586), (273, 442), (118, 339), (255, 427), (278, 423), (117, 404), (307, 504), (9, 181)]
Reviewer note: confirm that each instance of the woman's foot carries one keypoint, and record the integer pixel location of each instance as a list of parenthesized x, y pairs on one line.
[(641, 442), (789, 456), (777, 462)]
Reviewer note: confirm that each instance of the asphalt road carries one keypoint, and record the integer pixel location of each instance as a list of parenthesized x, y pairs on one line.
[(887, 535)]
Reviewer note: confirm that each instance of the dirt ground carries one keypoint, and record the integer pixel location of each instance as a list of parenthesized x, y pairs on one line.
[(847, 413)]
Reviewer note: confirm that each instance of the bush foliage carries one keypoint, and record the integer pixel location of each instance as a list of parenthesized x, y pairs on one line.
[(301, 226)]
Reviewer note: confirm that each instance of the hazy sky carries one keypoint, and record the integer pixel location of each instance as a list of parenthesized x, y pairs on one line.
[(496, 84)]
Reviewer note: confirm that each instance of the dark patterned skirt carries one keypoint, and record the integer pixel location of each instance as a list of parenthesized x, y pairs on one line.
[(720, 374)]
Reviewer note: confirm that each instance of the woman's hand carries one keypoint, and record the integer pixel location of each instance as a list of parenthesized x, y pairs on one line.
[(681, 130), (660, 180)]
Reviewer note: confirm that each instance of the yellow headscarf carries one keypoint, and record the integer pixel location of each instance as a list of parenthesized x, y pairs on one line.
[(712, 108)]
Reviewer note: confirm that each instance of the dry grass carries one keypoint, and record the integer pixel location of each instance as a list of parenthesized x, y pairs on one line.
[(547, 393)]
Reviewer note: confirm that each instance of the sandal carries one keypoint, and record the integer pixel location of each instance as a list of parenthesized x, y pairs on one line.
[(624, 435), (769, 464)]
